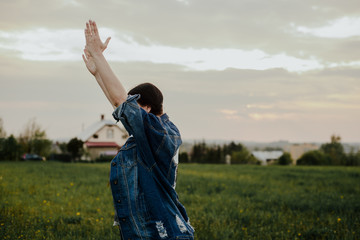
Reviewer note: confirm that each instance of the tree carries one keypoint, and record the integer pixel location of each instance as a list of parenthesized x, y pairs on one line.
[(334, 151), (199, 152), (63, 147), (2, 130), (203, 153), (214, 154), (233, 147), (33, 139), (314, 157), (285, 159), (41, 146), (353, 159), (183, 157), (9, 149), (240, 157), (75, 148), (243, 157)]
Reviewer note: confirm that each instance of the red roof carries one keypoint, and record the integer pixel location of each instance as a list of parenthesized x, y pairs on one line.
[(102, 144)]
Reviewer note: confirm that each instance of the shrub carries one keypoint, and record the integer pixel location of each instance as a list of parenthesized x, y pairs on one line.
[(312, 158), (353, 159), (285, 159), (104, 158), (9, 149), (63, 157), (184, 157)]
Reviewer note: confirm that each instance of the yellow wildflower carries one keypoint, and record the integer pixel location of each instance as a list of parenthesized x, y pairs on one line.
[(78, 214)]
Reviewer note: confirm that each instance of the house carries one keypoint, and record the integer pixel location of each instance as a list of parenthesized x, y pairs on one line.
[(103, 138), (267, 157)]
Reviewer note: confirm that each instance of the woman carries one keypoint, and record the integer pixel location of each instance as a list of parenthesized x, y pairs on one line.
[(143, 174)]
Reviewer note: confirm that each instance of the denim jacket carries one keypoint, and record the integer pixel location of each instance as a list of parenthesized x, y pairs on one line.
[(143, 176)]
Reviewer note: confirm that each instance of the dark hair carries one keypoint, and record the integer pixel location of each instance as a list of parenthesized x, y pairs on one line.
[(150, 96)]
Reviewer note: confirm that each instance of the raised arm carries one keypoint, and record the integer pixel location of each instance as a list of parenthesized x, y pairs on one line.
[(112, 87), (90, 64)]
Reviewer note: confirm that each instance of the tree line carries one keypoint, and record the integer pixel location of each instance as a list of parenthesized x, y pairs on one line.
[(331, 153), (203, 153), (33, 140)]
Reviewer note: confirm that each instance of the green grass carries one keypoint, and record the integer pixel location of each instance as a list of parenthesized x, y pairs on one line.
[(51, 200)]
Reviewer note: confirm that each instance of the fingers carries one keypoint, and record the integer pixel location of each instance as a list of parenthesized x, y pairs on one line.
[(94, 28), (87, 32), (86, 36), (88, 29), (84, 58), (89, 25), (93, 40), (87, 53), (106, 42)]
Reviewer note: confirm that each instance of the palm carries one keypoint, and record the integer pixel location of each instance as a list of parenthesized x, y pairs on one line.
[(88, 59), (90, 64), (93, 44)]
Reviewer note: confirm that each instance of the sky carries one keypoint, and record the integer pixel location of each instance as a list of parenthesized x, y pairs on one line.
[(242, 70)]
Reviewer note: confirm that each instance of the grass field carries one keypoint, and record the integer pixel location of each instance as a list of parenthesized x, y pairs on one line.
[(51, 200)]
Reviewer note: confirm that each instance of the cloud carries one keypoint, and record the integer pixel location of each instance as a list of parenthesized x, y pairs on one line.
[(185, 2), (249, 75), (344, 27), (66, 45), (260, 106), (228, 111), (230, 114), (271, 116), (43, 44), (200, 25)]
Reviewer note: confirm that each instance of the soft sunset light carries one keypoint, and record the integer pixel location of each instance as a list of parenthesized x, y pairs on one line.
[(256, 71)]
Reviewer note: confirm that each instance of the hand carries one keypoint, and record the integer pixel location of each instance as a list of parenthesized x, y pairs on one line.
[(93, 42), (89, 62)]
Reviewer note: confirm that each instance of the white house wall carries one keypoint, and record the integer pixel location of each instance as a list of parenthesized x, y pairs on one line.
[(103, 137)]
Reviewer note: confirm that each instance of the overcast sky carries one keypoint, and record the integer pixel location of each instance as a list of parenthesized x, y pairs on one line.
[(247, 70)]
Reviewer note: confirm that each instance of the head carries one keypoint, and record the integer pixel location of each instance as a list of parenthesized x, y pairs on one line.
[(151, 98)]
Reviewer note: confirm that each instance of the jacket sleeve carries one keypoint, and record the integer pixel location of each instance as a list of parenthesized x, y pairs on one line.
[(133, 118)]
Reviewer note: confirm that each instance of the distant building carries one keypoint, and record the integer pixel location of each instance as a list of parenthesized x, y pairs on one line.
[(297, 150), (103, 138), (228, 159), (267, 157)]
